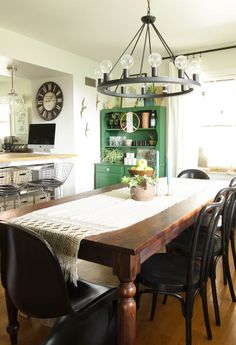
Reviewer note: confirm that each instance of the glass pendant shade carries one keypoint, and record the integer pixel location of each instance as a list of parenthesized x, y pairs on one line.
[(12, 99), (16, 102)]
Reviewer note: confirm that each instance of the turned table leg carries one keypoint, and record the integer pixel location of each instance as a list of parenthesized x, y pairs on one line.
[(126, 314), (127, 269)]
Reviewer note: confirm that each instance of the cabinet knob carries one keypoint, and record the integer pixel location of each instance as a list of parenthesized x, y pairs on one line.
[(107, 169)]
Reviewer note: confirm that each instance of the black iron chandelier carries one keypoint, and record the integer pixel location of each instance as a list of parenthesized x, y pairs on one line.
[(119, 87)]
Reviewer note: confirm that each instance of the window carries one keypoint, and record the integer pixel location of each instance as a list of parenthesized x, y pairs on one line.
[(217, 143), (4, 120)]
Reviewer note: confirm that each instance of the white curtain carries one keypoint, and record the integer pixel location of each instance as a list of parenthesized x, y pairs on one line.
[(183, 128)]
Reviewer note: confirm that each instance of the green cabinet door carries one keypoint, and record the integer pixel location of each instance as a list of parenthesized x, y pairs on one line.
[(103, 180), (108, 174)]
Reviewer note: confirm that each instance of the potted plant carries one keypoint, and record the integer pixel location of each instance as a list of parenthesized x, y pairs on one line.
[(142, 181), (112, 156)]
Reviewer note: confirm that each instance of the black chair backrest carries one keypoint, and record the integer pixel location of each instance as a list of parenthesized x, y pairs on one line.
[(31, 273), (194, 173), (212, 212), (233, 184), (228, 215)]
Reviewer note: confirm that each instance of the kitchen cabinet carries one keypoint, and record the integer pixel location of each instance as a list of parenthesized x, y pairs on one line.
[(138, 132)]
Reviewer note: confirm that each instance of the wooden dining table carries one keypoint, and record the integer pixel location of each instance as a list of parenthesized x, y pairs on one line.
[(126, 249)]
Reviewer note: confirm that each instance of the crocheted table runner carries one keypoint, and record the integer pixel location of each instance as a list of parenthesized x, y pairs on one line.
[(65, 225)]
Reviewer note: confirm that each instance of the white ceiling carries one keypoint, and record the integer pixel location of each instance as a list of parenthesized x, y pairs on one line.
[(101, 29)]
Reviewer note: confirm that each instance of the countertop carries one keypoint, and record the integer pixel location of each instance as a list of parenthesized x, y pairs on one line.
[(7, 157)]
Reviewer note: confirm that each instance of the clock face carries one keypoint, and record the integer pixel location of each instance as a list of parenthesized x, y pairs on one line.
[(49, 101)]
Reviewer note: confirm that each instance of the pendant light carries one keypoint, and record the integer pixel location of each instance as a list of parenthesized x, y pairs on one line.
[(13, 99)]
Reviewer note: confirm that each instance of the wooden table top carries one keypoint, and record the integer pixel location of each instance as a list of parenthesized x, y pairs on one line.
[(133, 240)]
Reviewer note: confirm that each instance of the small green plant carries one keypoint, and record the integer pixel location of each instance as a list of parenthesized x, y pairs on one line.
[(137, 180), (112, 156)]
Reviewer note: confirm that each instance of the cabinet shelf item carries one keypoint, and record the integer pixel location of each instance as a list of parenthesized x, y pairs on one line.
[(110, 173), (138, 130), (131, 147)]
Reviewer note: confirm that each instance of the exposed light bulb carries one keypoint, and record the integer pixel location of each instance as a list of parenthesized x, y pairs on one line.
[(105, 66), (195, 66), (127, 61), (181, 62), (98, 73), (155, 60)]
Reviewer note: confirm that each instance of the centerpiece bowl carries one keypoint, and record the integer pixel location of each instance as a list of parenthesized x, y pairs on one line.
[(147, 172)]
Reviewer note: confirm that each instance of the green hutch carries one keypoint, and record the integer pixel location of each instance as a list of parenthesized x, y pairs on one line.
[(148, 143)]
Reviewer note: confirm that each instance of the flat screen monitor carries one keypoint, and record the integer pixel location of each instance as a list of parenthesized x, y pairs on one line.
[(41, 136)]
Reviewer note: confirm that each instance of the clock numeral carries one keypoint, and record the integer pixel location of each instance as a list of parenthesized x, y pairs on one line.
[(59, 100), (58, 107), (54, 113), (40, 95), (58, 92), (45, 113), (41, 108), (44, 88), (54, 88), (40, 102), (49, 87)]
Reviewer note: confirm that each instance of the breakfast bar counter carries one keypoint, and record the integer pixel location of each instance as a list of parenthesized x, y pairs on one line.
[(16, 159)]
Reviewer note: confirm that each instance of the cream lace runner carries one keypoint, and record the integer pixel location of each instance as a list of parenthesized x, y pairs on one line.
[(65, 225)]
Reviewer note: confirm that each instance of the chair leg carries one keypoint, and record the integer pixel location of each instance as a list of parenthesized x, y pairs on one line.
[(203, 294), (232, 241), (154, 305), (215, 300), (164, 299), (229, 279), (188, 313), (224, 270), (13, 324)]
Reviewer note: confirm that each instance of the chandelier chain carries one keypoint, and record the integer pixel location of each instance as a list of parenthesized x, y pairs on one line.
[(148, 9)]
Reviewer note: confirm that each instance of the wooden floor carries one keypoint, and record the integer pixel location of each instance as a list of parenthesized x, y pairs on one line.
[(168, 328)]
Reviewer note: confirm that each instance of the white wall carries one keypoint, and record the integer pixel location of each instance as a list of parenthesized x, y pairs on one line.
[(71, 126)]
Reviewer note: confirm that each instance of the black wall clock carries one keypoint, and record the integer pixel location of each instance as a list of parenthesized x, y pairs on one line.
[(49, 101)]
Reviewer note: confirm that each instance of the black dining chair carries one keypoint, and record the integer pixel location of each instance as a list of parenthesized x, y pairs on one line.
[(87, 329), (194, 173), (35, 285), (170, 274), (232, 235), (181, 245)]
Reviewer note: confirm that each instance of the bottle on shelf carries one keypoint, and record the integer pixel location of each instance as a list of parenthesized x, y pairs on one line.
[(153, 121)]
